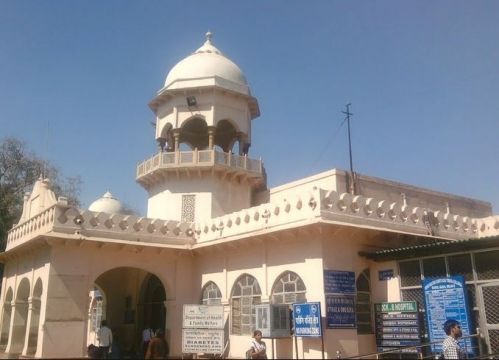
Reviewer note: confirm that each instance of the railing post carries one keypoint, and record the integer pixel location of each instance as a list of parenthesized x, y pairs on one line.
[(177, 157), (195, 159), (229, 158), (245, 161)]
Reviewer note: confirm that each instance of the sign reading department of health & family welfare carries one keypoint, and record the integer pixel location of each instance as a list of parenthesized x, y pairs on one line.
[(203, 317), (445, 298), (339, 282), (307, 319), (340, 312), (203, 329)]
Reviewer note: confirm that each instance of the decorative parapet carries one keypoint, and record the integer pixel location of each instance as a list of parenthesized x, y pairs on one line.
[(397, 216), (198, 158), (295, 209), (488, 226), (37, 225), (343, 208), (61, 218)]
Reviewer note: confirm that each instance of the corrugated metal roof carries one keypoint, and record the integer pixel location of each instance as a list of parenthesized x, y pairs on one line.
[(440, 247)]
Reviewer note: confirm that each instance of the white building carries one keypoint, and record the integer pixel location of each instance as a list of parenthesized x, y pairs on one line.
[(215, 234)]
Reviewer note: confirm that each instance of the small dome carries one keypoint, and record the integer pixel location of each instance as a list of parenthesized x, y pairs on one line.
[(107, 204), (206, 62)]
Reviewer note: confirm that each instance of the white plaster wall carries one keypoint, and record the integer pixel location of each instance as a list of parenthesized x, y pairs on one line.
[(214, 197), (385, 290)]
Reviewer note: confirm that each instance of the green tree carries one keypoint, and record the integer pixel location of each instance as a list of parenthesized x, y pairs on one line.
[(19, 169)]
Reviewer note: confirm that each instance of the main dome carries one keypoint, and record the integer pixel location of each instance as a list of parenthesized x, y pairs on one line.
[(206, 63)]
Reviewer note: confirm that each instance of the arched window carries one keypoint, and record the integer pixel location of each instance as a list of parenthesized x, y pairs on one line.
[(363, 303), (288, 289), (211, 294), (245, 294)]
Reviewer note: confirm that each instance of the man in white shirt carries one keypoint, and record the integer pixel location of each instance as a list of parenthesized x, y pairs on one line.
[(105, 338), (450, 346)]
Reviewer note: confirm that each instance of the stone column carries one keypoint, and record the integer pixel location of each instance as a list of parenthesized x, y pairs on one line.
[(28, 326), (211, 137), (176, 137), (11, 325)]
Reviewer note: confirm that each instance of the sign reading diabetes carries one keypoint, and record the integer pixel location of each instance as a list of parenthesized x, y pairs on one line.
[(397, 325)]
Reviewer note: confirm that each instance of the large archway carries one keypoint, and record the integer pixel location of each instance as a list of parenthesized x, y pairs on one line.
[(134, 298)]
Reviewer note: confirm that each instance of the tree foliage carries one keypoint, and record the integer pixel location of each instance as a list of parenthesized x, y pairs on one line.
[(19, 169)]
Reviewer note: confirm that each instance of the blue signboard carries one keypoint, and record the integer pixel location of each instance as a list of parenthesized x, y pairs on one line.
[(445, 298), (385, 274), (340, 312), (339, 282), (307, 319)]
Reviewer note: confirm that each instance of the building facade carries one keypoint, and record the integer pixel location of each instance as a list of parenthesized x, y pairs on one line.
[(216, 234)]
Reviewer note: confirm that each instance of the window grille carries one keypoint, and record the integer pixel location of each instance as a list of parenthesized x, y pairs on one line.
[(188, 208), (289, 288), (211, 294), (487, 265), (461, 265), (410, 273), (245, 294), (434, 267)]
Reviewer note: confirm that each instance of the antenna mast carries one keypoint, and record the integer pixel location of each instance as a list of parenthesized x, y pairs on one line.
[(352, 174)]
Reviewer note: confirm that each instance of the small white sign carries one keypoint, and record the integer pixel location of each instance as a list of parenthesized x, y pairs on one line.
[(203, 317), (202, 341)]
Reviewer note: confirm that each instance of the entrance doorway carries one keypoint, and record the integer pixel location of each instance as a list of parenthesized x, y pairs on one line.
[(128, 299)]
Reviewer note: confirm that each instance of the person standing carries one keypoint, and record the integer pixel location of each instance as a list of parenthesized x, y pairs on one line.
[(158, 347), (258, 349), (450, 346), (105, 338)]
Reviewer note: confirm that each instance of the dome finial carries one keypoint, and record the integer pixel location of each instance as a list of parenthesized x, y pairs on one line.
[(209, 35)]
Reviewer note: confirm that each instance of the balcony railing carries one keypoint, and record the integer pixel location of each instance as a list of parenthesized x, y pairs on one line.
[(166, 160)]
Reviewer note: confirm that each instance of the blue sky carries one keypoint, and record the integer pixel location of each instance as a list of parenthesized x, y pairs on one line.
[(422, 77)]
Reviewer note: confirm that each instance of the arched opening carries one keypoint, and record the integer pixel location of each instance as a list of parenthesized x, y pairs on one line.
[(211, 294), (195, 133), (225, 135), (245, 294), (165, 139), (95, 314), (363, 303), (20, 317), (35, 317), (153, 302), (6, 315), (288, 288), (128, 299)]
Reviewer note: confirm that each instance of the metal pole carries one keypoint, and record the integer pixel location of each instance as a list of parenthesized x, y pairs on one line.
[(348, 113)]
